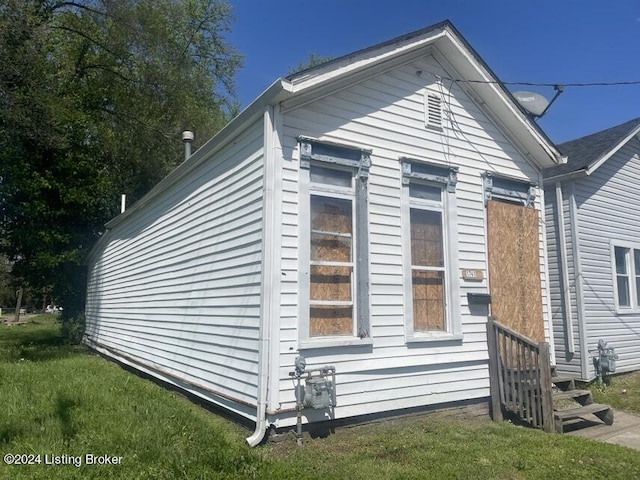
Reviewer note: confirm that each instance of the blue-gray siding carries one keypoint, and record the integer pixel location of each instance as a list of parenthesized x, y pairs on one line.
[(608, 204)]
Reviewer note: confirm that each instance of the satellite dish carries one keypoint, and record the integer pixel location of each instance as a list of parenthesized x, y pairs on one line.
[(532, 102)]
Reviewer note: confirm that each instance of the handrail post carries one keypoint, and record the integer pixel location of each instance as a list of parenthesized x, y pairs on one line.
[(546, 393), (494, 372)]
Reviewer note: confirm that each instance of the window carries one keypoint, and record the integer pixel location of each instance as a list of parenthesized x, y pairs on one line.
[(622, 276), (333, 244), (625, 263), (625, 266), (431, 284), (427, 268), (331, 284)]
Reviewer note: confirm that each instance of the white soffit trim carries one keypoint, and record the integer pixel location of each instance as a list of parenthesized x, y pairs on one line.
[(595, 165), (364, 60), (442, 42)]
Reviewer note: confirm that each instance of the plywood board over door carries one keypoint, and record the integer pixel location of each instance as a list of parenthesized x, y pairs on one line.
[(514, 267)]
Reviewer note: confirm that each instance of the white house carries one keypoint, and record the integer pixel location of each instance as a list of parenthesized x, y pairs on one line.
[(356, 214), (594, 249)]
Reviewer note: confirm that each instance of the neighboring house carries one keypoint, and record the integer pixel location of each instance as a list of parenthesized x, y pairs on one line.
[(355, 214), (594, 249)]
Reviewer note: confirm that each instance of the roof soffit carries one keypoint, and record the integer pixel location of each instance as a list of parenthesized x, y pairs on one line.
[(445, 44)]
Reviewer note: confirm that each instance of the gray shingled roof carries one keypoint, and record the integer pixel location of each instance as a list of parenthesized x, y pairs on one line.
[(585, 151)]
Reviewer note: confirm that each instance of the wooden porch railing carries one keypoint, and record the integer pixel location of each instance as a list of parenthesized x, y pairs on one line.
[(520, 376)]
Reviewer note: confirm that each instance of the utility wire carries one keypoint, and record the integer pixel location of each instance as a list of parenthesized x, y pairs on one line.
[(534, 84)]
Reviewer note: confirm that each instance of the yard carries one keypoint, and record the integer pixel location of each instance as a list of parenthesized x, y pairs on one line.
[(62, 404)]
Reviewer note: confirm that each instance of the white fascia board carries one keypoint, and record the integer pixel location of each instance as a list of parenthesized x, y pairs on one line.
[(595, 165), (485, 86), (363, 61), (567, 176), (276, 92)]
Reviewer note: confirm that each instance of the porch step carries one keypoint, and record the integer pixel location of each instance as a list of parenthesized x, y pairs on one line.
[(579, 412), (581, 396), (566, 412), (563, 382), (574, 415)]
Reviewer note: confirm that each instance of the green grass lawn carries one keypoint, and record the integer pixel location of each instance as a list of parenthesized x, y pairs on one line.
[(60, 400), (620, 391)]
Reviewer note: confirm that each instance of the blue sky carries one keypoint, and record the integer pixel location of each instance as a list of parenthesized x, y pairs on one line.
[(545, 41)]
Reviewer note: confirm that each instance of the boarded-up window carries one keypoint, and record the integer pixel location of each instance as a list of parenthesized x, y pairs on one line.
[(334, 250), (427, 269), (429, 229), (513, 239), (331, 286)]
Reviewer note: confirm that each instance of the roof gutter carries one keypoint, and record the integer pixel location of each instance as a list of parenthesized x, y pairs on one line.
[(583, 172), (276, 92)]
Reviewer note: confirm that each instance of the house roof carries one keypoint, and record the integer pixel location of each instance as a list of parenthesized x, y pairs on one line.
[(441, 40), (587, 153), (469, 70)]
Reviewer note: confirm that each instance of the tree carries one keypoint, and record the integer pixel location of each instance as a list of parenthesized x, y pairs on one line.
[(313, 60), (93, 97)]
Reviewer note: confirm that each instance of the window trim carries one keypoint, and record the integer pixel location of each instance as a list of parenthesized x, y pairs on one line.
[(523, 191), (632, 276), (339, 157), (445, 177)]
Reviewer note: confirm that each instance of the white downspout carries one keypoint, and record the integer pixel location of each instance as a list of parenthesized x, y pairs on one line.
[(577, 268), (564, 264), (266, 289)]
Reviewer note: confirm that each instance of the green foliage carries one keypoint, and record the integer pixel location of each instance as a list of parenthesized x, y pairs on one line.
[(93, 99), (313, 60), (72, 328)]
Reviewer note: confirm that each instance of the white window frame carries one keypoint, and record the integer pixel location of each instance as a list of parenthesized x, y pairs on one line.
[(445, 177), (357, 161), (632, 275), (342, 193)]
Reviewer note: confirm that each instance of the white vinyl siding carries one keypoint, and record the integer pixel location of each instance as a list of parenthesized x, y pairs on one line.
[(176, 287), (386, 114)]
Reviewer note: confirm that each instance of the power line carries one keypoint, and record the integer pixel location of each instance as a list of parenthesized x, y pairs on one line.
[(535, 84)]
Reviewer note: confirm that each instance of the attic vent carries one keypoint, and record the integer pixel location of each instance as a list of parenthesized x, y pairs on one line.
[(433, 110)]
